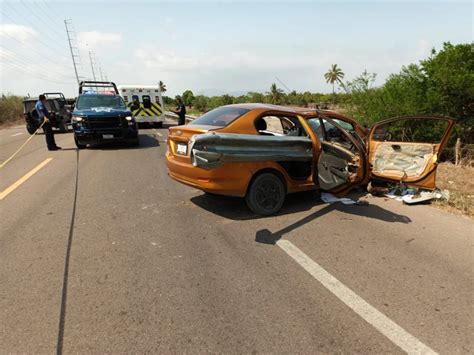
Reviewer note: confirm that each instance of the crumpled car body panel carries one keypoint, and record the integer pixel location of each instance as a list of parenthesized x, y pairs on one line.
[(211, 150)]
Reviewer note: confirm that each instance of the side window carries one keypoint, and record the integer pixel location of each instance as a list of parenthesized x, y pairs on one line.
[(315, 124), (270, 126), (146, 101)]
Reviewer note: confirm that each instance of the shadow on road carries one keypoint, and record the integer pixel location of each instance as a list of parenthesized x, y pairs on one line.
[(371, 211), (236, 209), (146, 141)]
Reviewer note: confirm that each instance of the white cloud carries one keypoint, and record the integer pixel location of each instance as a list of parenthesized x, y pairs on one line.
[(6, 55), (95, 39), (22, 33)]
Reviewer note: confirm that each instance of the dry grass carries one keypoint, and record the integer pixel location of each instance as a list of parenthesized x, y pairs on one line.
[(459, 181)]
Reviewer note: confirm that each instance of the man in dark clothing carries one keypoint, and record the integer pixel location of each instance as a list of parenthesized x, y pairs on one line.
[(180, 111), (43, 115)]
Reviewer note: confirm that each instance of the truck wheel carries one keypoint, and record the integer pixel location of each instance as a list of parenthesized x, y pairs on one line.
[(63, 127), (78, 145), (31, 128), (135, 142), (266, 194)]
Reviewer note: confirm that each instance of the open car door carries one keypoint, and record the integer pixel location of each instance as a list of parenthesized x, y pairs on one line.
[(341, 163), (406, 149)]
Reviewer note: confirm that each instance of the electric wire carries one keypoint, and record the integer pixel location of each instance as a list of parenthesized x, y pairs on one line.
[(34, 34), (34, 74), (41, 70)]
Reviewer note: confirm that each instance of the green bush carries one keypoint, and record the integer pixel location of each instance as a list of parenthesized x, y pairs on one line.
[(11, 109)]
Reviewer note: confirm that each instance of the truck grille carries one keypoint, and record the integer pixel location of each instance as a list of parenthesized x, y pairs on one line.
[(104, 122)]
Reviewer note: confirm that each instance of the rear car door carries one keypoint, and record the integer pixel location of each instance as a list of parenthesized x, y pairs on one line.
[(406, 149)]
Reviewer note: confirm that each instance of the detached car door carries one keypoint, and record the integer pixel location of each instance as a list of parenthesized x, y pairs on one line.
[(406, 149)]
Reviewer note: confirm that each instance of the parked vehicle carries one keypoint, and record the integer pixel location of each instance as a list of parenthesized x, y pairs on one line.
[(145, 102), (101, 116), (57, 106), (262, 152)]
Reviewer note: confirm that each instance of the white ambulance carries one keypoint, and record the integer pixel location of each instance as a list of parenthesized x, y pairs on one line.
[(145, 102)]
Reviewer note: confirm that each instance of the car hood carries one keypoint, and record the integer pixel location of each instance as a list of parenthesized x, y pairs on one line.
[(103, 111)]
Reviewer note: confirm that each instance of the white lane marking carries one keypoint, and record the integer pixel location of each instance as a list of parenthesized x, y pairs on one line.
[(16, 134), (379, 321), (25, 177), (158, 133)]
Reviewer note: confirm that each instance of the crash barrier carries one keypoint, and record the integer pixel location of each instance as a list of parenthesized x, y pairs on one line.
[(22, 146), (172, 115)]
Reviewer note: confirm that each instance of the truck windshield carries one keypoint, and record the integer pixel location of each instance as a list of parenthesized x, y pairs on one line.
[(86, 102)]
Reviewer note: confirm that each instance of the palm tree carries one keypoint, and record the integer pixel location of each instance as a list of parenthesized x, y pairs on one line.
[(334, 74), (275, 94), (162, 87)]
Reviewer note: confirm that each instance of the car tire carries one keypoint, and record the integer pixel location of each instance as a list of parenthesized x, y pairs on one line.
[(78, 145), (135, 142), (63, 127), (266, 194), (31, 128)]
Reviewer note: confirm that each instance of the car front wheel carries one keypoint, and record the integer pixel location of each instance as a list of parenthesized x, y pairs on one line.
[(79, 145), (266, 194)]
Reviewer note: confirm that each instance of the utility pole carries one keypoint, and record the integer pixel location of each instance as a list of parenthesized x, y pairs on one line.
[(73, 49), (92, 65)]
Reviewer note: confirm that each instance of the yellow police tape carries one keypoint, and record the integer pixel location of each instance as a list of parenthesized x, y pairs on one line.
[(19, 149)]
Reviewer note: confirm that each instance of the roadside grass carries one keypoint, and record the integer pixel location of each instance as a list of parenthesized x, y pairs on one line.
[(459, 181), (11, 110)]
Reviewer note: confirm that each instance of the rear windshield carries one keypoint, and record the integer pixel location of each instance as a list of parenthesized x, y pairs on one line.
[(86, 102), (220, 116)]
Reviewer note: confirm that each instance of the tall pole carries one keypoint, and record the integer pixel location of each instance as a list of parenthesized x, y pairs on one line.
[(92, 66), (72, 52)]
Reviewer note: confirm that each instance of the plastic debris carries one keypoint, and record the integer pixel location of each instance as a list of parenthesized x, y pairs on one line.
[(330, 198)]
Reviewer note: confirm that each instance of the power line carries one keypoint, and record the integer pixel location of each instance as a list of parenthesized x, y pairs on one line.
[(33, 50), (54, 41), (44, 22), (35, 66), (32, 73)]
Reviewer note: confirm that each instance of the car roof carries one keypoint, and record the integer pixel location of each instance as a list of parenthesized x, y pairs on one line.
[(260, 106)]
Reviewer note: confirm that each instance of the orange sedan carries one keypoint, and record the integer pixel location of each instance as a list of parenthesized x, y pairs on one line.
[(263, 152)]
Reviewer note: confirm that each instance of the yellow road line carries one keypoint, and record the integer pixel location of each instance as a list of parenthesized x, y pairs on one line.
[(25, 177)]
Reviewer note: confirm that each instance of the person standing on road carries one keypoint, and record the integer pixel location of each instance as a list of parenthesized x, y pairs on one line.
[(180, 111), (43, 115)]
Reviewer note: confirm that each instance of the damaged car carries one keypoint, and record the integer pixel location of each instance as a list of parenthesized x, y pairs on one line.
[(264, 152)]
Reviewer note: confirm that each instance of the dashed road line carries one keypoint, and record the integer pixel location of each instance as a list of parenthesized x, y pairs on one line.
[(25, 177), (378, 320), (159, 134), (16, 134)]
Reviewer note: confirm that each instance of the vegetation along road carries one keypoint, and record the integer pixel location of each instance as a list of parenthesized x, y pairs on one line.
[(101, 252)]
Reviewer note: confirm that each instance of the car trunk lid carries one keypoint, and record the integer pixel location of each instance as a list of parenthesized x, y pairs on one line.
[(179, 137)]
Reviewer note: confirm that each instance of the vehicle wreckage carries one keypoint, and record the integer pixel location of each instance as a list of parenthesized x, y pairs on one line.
[(263, 152)]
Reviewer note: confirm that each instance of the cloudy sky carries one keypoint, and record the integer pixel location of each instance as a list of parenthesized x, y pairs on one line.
[(220, 47)]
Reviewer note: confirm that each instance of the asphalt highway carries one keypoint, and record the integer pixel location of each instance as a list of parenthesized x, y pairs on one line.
[(101, 252)]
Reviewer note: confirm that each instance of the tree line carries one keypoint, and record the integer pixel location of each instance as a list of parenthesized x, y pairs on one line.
[(442, 84)]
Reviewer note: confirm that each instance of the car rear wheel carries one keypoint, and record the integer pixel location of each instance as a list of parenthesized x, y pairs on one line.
[(79, 145), (266, 194), (31, 128)]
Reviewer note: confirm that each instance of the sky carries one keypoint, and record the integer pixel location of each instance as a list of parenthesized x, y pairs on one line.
[(219, 47)]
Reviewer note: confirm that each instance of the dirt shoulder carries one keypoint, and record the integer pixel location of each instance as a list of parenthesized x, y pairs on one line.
[(459, 181)]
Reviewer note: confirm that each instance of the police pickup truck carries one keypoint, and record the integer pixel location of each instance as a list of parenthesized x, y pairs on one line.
[(101, 116)]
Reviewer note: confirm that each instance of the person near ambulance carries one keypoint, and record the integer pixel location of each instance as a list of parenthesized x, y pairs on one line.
[(43, 115), (180, 111)]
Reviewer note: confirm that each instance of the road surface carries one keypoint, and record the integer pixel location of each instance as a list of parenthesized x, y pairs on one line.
[(101, 252)]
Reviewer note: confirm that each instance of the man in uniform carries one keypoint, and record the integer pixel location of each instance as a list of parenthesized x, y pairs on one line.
[(43, 115), (180, 111)]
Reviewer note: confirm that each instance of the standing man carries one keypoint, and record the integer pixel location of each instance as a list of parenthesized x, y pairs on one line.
[(43, 115), (180, 111)]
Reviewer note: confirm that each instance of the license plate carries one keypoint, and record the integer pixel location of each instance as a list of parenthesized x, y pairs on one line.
[(107, 136), (182, 149)]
